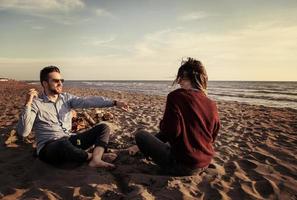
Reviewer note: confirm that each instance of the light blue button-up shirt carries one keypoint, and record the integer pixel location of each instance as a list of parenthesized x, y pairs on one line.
[(53, 120)]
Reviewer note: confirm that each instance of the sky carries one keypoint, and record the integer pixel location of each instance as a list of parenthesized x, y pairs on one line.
[(242, 40)]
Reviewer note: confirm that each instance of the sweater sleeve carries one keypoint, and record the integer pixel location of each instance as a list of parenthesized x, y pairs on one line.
[(217, 126), (216, 130), (170, 124)]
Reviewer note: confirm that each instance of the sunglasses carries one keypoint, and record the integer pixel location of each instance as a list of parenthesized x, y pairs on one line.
[(57, 80)]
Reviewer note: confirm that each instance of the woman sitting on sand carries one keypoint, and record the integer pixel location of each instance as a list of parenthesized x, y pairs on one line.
[(190, 125)]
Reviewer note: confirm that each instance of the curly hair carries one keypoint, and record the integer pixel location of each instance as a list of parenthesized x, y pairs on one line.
[(194, 71)]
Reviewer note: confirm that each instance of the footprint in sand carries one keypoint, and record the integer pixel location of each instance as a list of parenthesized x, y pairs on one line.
[(209, 191), (247, 164), (286, 170), (265, 188), (263, 158), (230, 169)]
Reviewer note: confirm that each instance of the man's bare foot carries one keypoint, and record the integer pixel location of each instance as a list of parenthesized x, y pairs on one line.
[(98, 163), (109, 157), (89, 156)]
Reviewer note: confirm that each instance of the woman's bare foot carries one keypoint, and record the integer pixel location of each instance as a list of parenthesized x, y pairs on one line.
[(98, 163), (109, 157)]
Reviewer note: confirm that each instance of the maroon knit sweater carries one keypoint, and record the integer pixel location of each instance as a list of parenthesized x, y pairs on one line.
[(190, 124)]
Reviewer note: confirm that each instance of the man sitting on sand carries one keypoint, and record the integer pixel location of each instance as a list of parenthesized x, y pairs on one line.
[(50, 116)]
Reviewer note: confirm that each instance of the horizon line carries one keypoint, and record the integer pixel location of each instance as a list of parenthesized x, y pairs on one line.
[(122, 80)]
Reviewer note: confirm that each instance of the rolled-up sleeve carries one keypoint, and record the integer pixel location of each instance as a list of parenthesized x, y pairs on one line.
[(89, 101), (26, 120)]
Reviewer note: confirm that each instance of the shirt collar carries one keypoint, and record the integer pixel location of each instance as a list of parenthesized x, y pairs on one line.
[(45, 98)]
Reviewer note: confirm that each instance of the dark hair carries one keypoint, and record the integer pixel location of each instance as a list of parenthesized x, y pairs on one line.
[(45, 71), (195, 71)]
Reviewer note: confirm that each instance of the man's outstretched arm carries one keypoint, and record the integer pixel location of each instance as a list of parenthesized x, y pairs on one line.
[(93, 102)]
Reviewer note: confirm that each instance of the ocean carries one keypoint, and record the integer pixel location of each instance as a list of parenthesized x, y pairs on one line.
[(271, 94)]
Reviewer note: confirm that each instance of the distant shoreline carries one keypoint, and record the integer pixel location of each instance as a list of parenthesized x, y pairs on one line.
[(268, 94), (165, 81)]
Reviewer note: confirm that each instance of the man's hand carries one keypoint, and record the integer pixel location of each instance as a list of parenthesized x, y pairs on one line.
[(133, 150), (30, 96), (124, 106)]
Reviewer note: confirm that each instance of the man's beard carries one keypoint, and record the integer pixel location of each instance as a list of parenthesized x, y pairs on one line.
[(55, 91)]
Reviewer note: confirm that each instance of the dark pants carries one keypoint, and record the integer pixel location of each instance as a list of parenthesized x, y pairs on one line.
[(72, 149), (154, 146)]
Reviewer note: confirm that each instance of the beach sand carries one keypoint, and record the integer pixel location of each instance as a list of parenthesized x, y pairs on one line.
[(255, 155)]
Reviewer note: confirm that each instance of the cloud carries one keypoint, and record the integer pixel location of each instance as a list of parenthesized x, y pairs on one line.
[(41, 5), (259, 52), (94, 41), (264, 39), (153, 42), (103, 13), (59, 11), (54, 10), (254, 52), (193, 16), (38, 27)]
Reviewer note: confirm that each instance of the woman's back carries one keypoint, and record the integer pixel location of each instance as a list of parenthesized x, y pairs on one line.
[(191, 123)]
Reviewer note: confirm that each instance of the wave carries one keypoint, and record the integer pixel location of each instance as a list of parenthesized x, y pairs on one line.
[(255, 97)]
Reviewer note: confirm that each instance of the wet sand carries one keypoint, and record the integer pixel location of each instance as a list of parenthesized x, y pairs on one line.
[(255, 159)]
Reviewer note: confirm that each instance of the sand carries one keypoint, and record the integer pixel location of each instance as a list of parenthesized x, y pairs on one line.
[(255, 159)]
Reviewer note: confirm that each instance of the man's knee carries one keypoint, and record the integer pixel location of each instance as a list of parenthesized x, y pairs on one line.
[(140, 136)]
